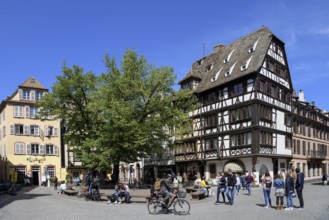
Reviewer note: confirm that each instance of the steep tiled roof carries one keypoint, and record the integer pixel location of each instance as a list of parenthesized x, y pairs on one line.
[(31, 82), (206, 68)]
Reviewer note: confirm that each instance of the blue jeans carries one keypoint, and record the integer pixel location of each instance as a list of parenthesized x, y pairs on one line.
[(218, 194), (230, 192), (290, 201), (248, 186), (267, 197)]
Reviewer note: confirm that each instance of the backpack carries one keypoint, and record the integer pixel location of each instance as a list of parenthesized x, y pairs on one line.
[(157, 185)]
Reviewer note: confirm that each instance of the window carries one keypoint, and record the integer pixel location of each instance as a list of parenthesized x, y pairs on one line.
[(211, 143), (270, 65), (20, 172), (18, 111), (241, 139), (34, 130), (266, 112), (237, 89), (51, 131), (304, 147), (49, 149), (19, 129), (26, 94), (266, 138), (288, 142), (298, 146), (33, 112), (19, 148), (211, 120), (38, 95), (241, 113), (51, 171), (34, 148)]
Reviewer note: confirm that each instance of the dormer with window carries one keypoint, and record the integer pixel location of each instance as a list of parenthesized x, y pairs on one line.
[(245, 65), (227, 59), (229, 72), (253, 48), (214, 78)]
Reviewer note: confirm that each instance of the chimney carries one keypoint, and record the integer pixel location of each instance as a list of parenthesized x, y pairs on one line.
[(301, 96), (218, 47)]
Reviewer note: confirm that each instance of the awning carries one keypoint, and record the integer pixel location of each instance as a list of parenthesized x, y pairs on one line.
[(235, 167)]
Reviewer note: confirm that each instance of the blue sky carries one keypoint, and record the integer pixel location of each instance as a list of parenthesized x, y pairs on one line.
[(37, 36)]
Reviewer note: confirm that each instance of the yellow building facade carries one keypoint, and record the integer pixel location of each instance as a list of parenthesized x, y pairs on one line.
[(31, 146)]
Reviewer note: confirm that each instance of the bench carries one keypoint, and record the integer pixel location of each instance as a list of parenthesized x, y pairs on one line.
[(190, 189), (70, 192), (198, 194)]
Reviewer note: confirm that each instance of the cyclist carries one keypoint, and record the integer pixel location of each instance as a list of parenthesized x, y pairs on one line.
[(166, 190)]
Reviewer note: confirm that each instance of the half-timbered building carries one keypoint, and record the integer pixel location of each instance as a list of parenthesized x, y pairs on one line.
[(244, 119)]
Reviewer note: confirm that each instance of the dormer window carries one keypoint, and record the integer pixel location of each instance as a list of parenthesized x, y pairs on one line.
[(245, 65), (227, 59), (214, 78), (253, 48), (209, 67), (228, 73)]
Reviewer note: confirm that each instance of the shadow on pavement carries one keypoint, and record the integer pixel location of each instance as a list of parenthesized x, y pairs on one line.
[(6, 199)]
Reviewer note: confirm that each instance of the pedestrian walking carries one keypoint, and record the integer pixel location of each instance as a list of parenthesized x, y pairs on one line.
[(221, 187), (249, 182), (238, 184), (230, 189)]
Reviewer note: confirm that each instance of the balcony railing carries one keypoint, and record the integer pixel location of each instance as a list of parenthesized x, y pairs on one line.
[(316, 154)]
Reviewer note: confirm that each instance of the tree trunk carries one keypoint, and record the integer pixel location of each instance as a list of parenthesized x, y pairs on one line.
[(115, 174)]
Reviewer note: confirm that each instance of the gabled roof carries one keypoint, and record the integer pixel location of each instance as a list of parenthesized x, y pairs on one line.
[(239, 53), (31, 82)]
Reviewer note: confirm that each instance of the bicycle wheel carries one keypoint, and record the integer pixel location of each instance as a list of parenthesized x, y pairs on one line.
[(97, 197), (154, 206), (87, 196), (182, 207)]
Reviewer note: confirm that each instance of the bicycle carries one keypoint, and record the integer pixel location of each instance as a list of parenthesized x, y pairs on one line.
[(94, 195), (8, 187), (156, 204)]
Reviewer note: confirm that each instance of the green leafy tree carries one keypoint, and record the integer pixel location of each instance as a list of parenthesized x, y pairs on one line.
[(124, 114)]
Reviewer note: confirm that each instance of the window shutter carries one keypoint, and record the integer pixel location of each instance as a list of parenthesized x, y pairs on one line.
[(32, 97), (20, 93), (55, 132), (12, 129), (37, 130), (27, 111), (55, 150), (46, 131), (16, 148), (20, 112), (27, 129), (16, 111), (28, 149), (42, 149)]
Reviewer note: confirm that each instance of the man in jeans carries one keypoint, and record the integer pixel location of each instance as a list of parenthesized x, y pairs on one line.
[(299, 187), (249, 181), (230, 190)]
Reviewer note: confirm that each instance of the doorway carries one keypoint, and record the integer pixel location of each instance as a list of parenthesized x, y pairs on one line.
[(35, 175)]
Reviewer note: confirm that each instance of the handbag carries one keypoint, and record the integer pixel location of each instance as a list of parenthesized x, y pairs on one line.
[(268, 185), (279, 192)]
